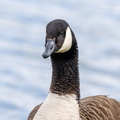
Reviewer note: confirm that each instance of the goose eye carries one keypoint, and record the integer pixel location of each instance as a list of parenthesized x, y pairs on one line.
[(62, 33)]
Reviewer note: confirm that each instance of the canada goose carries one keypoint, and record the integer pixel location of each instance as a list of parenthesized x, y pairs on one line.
[(63, 100)]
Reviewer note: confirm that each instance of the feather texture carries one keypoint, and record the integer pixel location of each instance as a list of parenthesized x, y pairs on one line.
[(94, 108), (99, 108)]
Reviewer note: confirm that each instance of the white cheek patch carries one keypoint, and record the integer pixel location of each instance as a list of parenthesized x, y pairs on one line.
[(67, 42)]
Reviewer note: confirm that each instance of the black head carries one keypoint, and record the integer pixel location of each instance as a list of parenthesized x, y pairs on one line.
[(59, 37)]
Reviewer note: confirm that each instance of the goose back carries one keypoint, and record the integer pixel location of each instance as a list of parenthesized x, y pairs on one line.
[(99, 108)]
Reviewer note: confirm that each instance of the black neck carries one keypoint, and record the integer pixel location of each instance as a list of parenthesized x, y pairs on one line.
[(65, 75)]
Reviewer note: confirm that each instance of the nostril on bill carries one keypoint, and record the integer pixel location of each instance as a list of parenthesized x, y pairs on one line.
[(51, 47)]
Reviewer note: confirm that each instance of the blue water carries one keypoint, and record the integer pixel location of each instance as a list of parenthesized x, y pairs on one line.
[(25, 76)]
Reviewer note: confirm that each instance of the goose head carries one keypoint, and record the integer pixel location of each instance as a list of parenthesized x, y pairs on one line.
[(59, 38)]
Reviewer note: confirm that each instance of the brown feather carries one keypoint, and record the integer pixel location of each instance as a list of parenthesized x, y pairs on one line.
[(99, 108), (33, 112)]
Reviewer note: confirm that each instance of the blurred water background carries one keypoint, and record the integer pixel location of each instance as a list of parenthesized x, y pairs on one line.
[(25, 76)]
